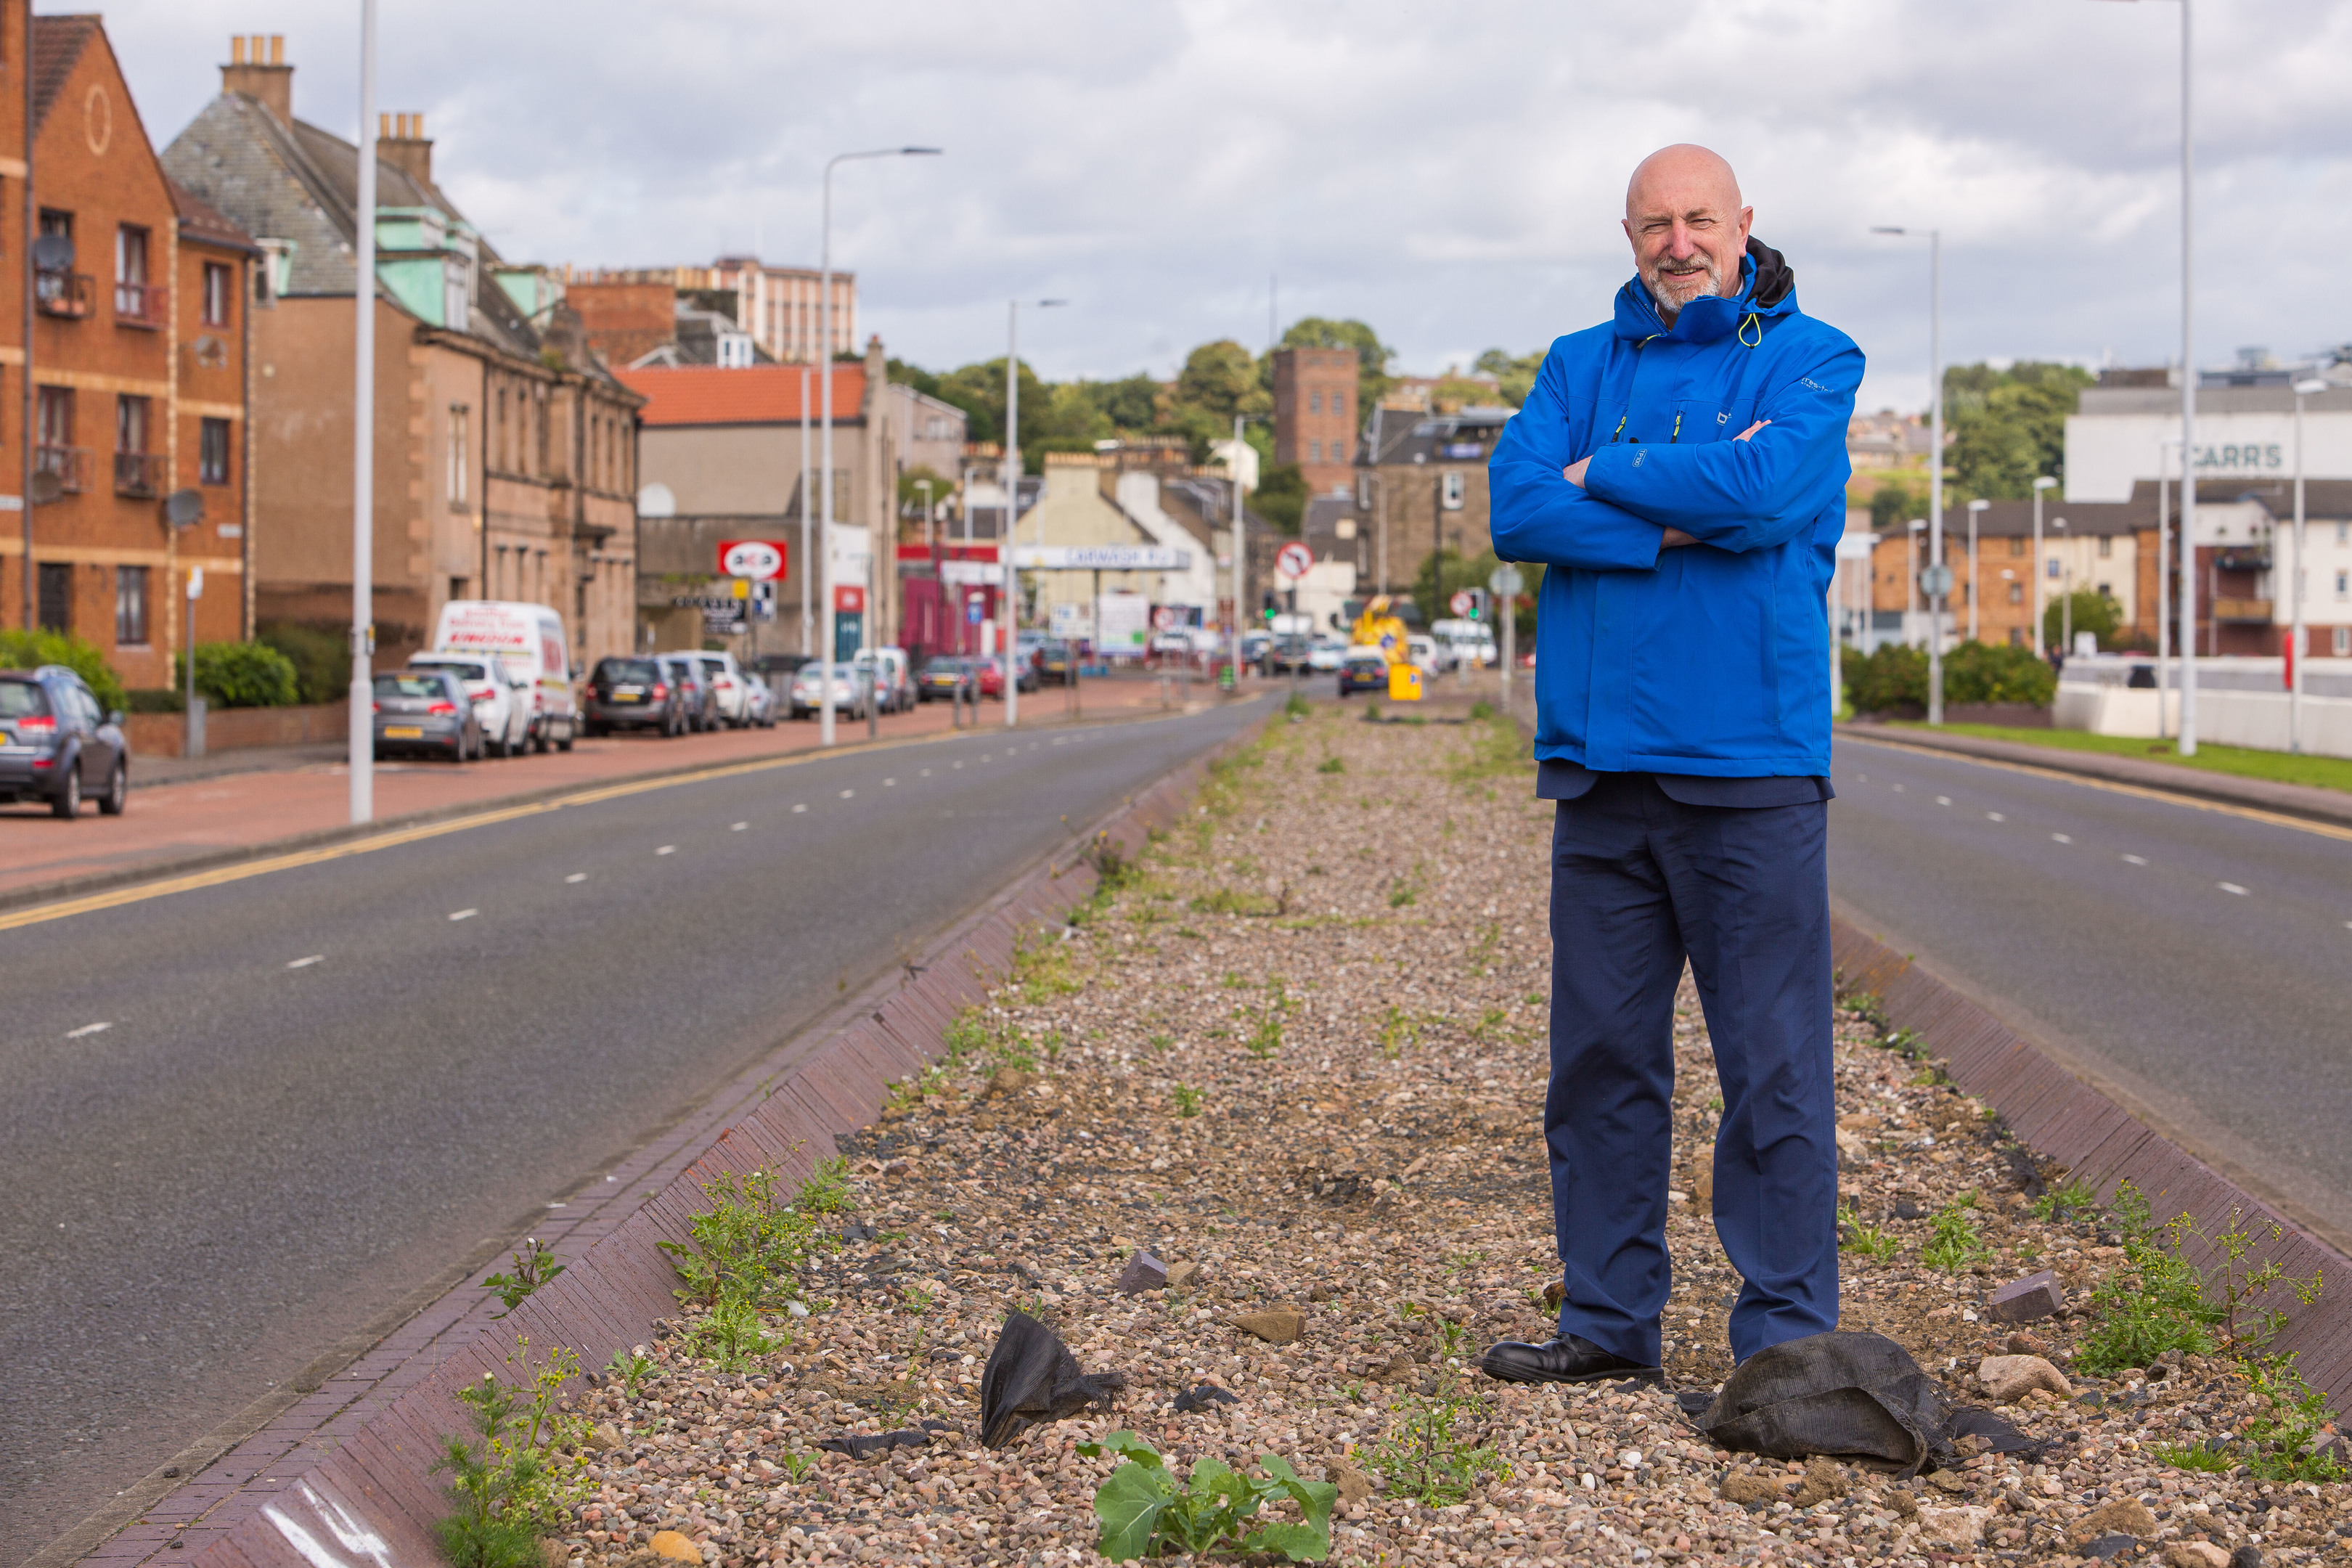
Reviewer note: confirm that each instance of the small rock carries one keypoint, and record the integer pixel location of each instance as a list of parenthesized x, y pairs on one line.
[(1554, 1294), (2007, 1378), (1009, 1080), (2109, 1546), (1182, 1274), (1354, 1485), (1824, 1479), (553, 1554), (1143, 1272), (2247, 1556), (670, 1544), (1279, 1326), (1900, 1500), (2195, 1554), (2023, 1300), (2023, 1343), (1701, 1186), (1954, 1526), (1399, 1368), (2124, 1515), (1948, 1481), (1749, 1491), (1203, 1397), (1850, 1146)]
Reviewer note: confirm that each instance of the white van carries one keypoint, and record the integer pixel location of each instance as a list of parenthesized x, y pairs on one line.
[(527, 642)]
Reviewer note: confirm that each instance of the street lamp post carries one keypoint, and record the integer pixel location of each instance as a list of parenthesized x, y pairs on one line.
[(1911, 587), (2294, 650), (362, 745), (1008, 613), (1976, 509), (824, 454), (808, 563), (2066, 603), (2164, 449), (1935, 456), (2039, 485)]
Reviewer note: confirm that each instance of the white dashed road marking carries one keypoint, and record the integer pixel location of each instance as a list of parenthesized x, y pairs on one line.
[(307, 962), (667, 849), (2232, 887), (577, 877), (2060, 838), (737, 826), (1942, 800), (847, 793), (800, 808), (463, 914), (1995, 816), (2136, 859), (77, 1034), (888, 783)]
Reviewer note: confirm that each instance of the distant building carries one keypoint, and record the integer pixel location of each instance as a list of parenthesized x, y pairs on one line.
[(1315, 413), (777, 306), (506, 455), (1421, 485), (2127, 429), (1886, 440), (635, 325)]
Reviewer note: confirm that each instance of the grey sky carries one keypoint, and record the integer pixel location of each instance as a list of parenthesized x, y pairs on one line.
[(1453, 174)]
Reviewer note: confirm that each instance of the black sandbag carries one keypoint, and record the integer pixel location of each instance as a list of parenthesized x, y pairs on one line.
[(1847, 1396), (1031, 1377), (863, 1444)]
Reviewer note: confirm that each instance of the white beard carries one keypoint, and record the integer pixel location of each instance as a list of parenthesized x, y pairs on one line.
[(1670, 307)]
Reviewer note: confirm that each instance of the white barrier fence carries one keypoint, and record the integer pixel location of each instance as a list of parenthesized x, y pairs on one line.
[(2240, 702)]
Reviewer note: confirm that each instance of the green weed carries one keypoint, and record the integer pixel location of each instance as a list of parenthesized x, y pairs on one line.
[(534, 1266), (630, 1371), (2061, 1204), (731, 1335), (1859, 1236), (1953, 1242), (750, 1244), (509, 1481), (1188, 1099), (1427, 1455), (1333, 764), (1144, 1511)]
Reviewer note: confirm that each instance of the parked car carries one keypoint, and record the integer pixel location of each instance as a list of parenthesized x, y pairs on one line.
[(529, 640), (781, 663), (1434, 657), (1253, 647), (942, 674), (894, 689), (700, 703), (1287, 652), (1363, 670), (501, 702), (730, 689), (762, 705), (1324, 656), (808, 695), (426, 712), (1466, 639), (632, 693), (1055, 660), (58, 745)]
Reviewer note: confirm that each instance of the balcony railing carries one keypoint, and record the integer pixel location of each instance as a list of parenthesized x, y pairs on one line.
[(2255, 559), (2242, 610), (142, 304), (70, 464), (63, 293), (139, 473)]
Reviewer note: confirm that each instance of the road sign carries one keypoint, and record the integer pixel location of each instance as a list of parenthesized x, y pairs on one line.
[(1506, 579), (972, 608), (1163, 620), (849, 600), (1294, 560), (757, 558), (1463, 602), (1937, 581)]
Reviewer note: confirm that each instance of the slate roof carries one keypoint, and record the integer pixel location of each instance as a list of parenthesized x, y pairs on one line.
[(1409, 435), (57, 44), (200, 220)]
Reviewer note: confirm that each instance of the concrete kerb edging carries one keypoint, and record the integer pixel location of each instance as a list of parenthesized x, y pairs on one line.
[(2060, 1116), (373, 1498)]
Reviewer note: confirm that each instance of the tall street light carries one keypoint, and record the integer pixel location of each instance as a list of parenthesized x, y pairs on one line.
[(2188, 391), (2294, 650), (808, 562), (824, 452), (1935, 238), (362, 749), (2164, 450), (2044, 483), (1011, 616), (1976, 509)]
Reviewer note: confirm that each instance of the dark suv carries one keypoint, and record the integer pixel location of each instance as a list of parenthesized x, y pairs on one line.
[(632, 693), (58, 745)]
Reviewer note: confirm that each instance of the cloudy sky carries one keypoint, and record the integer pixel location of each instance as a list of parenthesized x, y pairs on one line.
[(1451, 174)]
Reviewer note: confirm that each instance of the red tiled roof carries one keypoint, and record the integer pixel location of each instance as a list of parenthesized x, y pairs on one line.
[(754, 394), (199, 219)]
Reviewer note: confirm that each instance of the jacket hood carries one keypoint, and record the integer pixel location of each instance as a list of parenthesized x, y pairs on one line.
[(1768, 287)]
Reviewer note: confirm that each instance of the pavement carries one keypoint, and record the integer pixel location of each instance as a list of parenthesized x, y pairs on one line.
[(2186, 955), (245, 1115), (187, 813)]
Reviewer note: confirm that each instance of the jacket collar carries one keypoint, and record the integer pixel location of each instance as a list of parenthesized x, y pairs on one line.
[(1713, 316)]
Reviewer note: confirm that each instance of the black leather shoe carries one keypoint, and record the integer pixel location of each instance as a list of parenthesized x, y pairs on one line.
[(1564, 1360)]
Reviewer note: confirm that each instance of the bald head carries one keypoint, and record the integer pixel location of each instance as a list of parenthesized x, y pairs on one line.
[(1684, 216)]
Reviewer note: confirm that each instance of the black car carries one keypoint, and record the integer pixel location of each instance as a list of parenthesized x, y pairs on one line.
[(1363, 670), (427, 711), (58, 745), (941, 675), (1053, 658), (631, 694)]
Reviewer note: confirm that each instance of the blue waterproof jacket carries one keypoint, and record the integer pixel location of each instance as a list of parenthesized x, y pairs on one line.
[(1710, 659)]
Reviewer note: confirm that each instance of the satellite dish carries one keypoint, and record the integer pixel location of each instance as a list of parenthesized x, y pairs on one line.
[(184, 508), (46, 486), (656, 500), (53, 252)]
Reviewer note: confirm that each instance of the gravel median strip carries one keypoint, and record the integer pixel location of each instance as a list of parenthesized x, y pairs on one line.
[(1295, 1053)]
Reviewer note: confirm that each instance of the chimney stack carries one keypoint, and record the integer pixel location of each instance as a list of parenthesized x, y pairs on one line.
[(269, 81), (400, 142)]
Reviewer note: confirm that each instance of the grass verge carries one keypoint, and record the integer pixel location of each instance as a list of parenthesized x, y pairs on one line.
[(2241, 761)]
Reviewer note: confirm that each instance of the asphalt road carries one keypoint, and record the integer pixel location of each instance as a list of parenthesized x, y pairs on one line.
[(238, 1122), (2192, 960)]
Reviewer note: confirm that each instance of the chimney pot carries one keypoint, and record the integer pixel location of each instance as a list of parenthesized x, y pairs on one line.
[(278, 48), (236, 50), (261, 74)]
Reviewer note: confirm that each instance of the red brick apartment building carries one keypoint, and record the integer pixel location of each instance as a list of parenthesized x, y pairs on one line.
[(137, 394)]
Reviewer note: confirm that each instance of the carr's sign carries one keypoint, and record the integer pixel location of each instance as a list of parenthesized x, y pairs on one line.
[(1102, 557), (760, 560)]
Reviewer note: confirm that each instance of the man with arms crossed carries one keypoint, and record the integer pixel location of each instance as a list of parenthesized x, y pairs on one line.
[(1680, 471)]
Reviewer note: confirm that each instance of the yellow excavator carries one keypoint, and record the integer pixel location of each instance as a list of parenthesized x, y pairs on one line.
[(1376, 628)]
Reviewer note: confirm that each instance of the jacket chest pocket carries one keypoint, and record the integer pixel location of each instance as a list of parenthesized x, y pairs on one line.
[(1712, 419)]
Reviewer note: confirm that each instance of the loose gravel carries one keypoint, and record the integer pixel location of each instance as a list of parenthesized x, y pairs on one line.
[(1299, 1057)]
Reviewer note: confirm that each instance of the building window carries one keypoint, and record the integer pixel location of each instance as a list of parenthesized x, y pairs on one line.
[(2344, 642), (2344, 533), (2017, 545), (129, 605), (2017, 592), (219, 285), (458, 444), (132, 294), (2056, 571), (2344, 584), (2106, 545), (212, 452), (1449, 490), (53, 452), (1314, 402), (2016, 636), (1314, 451), (135, 468), (56, 596)]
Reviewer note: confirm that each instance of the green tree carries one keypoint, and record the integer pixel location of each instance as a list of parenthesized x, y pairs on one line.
[(1891, 505), (2093, 612), (1445, 572), (1280, 497), (30, 651), (979, 391), (1372, 356), (1221, 380), (2008, 426), (1517, 373)]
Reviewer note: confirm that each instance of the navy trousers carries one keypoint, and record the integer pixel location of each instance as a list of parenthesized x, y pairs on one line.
[(1639, 881)]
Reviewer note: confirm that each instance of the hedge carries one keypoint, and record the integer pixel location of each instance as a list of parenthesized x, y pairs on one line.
[(240, 675), (26, 650), (1896, 676)]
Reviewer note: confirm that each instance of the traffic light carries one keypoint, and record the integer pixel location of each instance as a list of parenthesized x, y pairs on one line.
[(1266, 604)]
